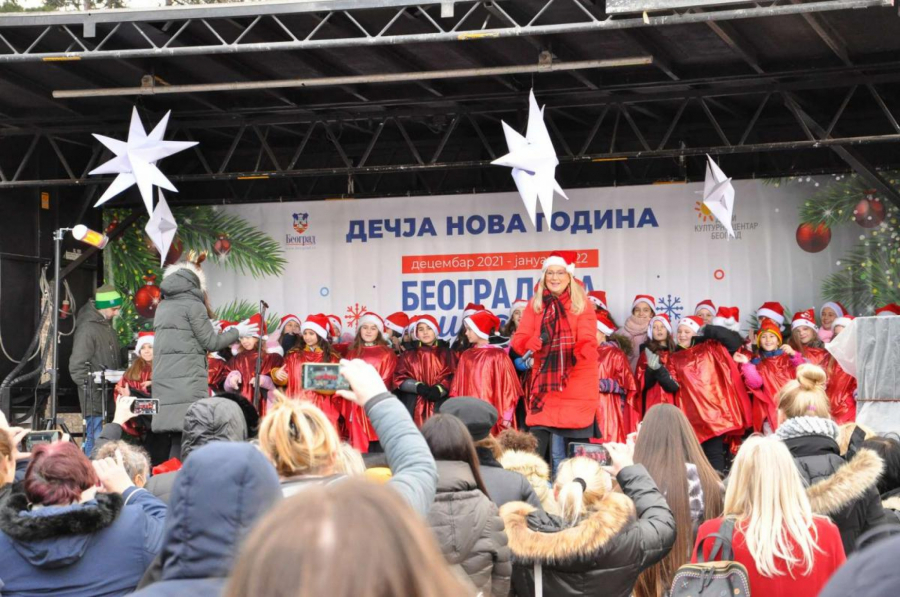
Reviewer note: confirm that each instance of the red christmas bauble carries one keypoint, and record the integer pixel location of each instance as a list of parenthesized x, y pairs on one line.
[(813, 238), (222, 246), (112, 226), (147, 298), (869, 213), (175, 250)]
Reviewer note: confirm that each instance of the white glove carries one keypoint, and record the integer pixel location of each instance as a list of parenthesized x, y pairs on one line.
[(653, 361), (245, 328)]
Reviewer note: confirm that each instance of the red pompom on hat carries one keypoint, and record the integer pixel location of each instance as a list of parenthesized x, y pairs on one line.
[(598, 298), (143, 339), (397, 321), (318, 323), (729, 318), (564, 259), (369, 317), (644, 298), (691, 321), (483, 323), (472, 309), (604, 324), (664, 319), (889, 310), (428, 320), (804, 318), (773, 311), (839, 309), (842, 321), (705, 304)]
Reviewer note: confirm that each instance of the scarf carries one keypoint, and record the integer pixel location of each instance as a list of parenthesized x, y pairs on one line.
[(766, 354), (804, 426), (635, 326), (560, 358)]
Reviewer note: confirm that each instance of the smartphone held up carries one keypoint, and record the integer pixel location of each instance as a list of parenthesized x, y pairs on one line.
[(596, 452)]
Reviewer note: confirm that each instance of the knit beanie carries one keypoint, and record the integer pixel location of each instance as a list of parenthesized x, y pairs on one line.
[(107, 297)]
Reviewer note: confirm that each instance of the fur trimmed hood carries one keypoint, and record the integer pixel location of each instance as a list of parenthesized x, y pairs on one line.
[(848, 484), (525, 463), (535, 536), (892, 503), (188, 266)]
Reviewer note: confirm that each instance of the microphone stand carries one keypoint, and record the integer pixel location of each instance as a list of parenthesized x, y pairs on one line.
[(259, 352)]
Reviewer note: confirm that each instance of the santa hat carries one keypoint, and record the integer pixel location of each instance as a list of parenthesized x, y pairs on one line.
[(334, 325), (842, 321), (428, 320), (665, 321), (397, 321), (889, 310), (644, 298), (143, 339), (226, 325), (773, 311), (472, 309), (318, 323), (260, 324), (564, 259), (483, 323), (804, 318), (835, 306), (729, 318), (770, 326), (519, 304), (598, 297), (369, 317), (705, 304), (287, 319), (692, 322), (410, 329), (605, 325)]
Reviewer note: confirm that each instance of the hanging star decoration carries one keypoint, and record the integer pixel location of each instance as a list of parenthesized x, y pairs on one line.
[(135, 160), (161, 228), (533, 161), (718, 195)]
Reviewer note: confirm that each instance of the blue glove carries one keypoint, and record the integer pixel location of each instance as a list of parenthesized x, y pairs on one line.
[(521, 364)]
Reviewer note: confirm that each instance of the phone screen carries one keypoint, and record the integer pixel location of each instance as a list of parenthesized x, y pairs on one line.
[(324, 378), (36, 438), (593, 451), (146, 406)]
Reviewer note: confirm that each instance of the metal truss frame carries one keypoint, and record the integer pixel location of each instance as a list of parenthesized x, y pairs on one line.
[(265, 27)]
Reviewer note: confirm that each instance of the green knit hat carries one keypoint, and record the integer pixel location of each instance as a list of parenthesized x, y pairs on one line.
[(107, 297)]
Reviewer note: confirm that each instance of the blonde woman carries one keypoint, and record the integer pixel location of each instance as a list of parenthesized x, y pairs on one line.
[(305, 449), (788, 551), (602, 539), (845, 491)]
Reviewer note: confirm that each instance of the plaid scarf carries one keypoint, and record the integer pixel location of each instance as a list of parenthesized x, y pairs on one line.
[(560, 358)]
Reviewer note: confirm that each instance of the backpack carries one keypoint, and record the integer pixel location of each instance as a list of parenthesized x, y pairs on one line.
[(713, 578)]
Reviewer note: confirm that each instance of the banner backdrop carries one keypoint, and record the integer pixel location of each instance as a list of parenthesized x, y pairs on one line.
[(435, 254)]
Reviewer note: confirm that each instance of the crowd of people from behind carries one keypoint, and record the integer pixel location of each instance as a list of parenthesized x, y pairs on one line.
[(451, 469)]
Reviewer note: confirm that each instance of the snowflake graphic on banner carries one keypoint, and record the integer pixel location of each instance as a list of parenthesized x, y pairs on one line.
[(670, 305), (353, 314)]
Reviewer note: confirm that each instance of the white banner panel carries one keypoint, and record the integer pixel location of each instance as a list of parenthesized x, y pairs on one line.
[(435, 254)]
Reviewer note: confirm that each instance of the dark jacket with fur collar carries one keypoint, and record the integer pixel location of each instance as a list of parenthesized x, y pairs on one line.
[(97, 548), (621, 536), (844, 491)]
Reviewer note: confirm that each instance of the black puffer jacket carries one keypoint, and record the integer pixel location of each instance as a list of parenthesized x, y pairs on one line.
[(621, 536), (844, 491)]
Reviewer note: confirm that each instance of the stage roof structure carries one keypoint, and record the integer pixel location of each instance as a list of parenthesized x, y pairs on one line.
[(323, 99)]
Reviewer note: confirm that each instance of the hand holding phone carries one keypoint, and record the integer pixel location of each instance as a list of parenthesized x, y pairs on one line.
[(596, 452), (365, 382), (324, 378), (32, 439), (146, 406)]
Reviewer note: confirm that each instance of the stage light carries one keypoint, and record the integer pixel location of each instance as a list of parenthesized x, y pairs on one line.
[(89, 237)]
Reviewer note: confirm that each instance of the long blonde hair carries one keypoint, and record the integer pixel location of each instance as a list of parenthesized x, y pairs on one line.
[(576, 292), (805, 396), (299, 439), (767, 497), (574, 500)]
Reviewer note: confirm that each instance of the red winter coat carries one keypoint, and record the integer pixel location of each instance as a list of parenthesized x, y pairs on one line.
[(636, 408), (359, 428), (486, 373), (575, 406), (430, 365), (711, 392), (613, 364), (331, 405)]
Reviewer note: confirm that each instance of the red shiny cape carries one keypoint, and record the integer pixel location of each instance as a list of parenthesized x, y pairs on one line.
[(656, 394), (488, 374), (146, 375), (218, 371), (245, 362), (711, 393), (613, 364), (817, 356), (359, 428), (840, 389), (775, 372), (431, 365), (331, 405)]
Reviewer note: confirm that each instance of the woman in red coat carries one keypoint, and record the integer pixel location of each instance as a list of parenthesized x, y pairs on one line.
[(424, 372), (315, 349), (616, 384), (242, 367), (655, 382), (559, 328), (371, 346)]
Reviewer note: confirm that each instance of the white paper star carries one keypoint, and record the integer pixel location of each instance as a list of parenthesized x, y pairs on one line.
[(533, 161), (718, 195), (135, 161), (161, 228)]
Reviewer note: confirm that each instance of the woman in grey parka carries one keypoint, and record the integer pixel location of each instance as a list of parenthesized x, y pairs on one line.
[(184, 336)]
